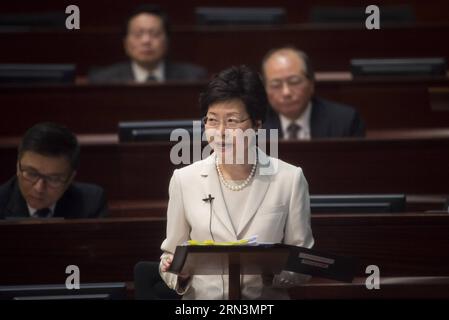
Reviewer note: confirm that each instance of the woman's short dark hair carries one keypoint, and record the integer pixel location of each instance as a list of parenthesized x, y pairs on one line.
[(237, 83), (153, 9), (52, 140)]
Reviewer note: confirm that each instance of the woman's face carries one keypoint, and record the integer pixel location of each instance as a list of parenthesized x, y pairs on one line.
[(230, 130)]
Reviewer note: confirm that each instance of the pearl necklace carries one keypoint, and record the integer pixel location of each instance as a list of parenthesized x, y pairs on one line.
[(239, 186)]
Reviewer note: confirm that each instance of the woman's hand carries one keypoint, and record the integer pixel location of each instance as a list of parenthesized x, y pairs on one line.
[(166, 262)]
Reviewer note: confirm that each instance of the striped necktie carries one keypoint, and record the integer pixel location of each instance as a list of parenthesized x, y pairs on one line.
[(293, 130)]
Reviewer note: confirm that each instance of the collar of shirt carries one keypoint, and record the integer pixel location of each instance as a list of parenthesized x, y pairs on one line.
[(141, 74), (303, 121), (32, 211)]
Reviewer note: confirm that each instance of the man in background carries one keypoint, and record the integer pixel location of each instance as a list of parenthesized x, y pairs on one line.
[(146, 44), (296, 112), (43, 187)]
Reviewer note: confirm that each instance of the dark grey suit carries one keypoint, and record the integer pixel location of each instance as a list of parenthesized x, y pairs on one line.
[(328, 120), (122, 73), (81, 200)]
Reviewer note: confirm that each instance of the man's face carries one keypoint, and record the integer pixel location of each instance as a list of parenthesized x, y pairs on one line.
[(146, 41), (42, 179), (288, 89)]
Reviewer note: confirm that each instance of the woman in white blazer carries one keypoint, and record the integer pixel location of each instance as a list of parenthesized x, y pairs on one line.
[(260, 196)]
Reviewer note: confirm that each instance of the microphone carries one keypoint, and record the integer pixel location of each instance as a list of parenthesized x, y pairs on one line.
[(208, 199)]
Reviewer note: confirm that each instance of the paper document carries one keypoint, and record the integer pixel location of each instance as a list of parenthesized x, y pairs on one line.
[(251, 241)]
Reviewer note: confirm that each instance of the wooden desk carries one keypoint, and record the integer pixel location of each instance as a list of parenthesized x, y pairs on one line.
[(330, 46), (390, 288), (106, 250), (182, 13), (142, 171), (383, 103)]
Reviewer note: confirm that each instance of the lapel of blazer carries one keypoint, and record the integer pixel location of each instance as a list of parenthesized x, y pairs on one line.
[(212, 184), (272, 121), (169, 71), (258, 191), (16, 206), (127, 73), (66, 206), (318, 120)]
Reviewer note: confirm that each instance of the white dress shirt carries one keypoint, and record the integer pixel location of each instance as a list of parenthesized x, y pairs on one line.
[(234, 199), (32, 211), (141, 74), (303, 121)]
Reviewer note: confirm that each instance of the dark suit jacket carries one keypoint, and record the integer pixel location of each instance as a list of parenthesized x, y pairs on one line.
[(81, 200), (122, 73), (327, 120)]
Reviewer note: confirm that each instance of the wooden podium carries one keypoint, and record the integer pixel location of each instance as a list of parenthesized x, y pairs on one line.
[(269, 259), (232, 260)]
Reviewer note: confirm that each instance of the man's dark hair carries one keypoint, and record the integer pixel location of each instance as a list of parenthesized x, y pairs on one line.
[(51, 140), (310, 72), (149, 9), (237, 83)]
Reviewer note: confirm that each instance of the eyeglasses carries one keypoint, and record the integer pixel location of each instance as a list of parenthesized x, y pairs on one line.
[(292, 82), (229, 123), (33, 176)]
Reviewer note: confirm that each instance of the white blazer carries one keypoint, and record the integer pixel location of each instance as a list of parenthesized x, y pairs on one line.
[(277, 210)]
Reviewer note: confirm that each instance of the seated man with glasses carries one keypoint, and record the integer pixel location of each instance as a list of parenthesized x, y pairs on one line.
[(48, 158), (296, 113), (146, 43)]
